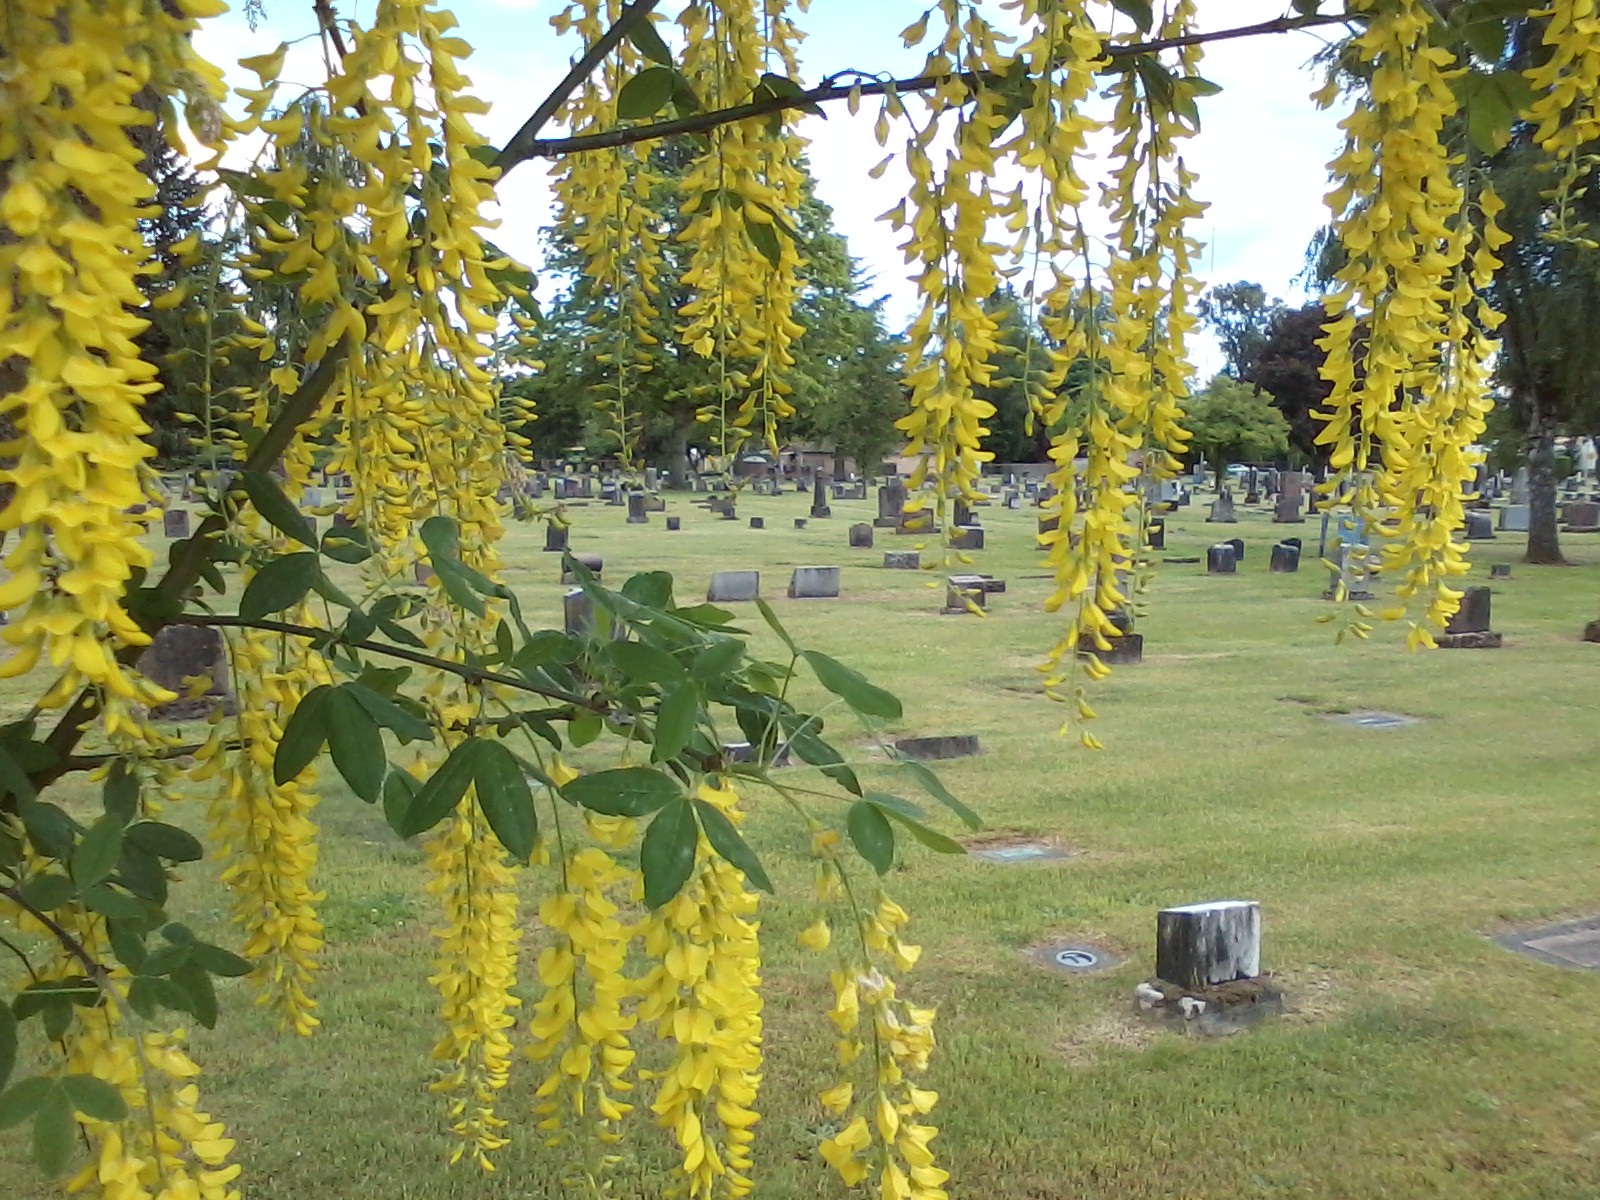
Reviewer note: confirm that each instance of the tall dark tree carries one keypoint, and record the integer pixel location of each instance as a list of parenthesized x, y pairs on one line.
[(1239, 315), (1288, 368)]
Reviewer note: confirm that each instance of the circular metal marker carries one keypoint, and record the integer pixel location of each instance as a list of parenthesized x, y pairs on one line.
[(1076, 960)]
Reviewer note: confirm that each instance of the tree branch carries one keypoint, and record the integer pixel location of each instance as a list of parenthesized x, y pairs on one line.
[(68, 943), (461, 670), (830, 90)]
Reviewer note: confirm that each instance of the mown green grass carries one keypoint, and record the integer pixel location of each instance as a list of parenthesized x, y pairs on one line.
[(1420, 1060)]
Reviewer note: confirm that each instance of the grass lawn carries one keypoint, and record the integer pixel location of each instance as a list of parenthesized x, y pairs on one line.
[(1420, 1058)]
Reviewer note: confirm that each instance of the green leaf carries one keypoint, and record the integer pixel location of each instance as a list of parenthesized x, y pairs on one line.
[(437, 798), (97, 852), (547, 646), (870, 832), (764, 237), (166, 841), (648, 42), (704, 616), (934, 786), (585, 729), (127, 942), (666, 853), (646, 93), (219, 961), (13, 779), (142, 873), (726, 840), (49, 828), (1139, 11), (348, 544), (896, 809), (53, 1130), (623, 791), (399, 790), (851, 687), (94, 1097), (718, 658), (303, 737), (277, 509), (676, 719), (505, 798), (408, 727), (199, 993), (8, 1044), (640, 663), (120, 795), (281, 584), (110, 902), (23, 1100), (48, 892), (653, 589), (461, 584), (771, 618)]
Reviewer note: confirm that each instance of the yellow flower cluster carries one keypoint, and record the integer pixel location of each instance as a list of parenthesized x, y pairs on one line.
[(608, 199), (882, 1111), (71, 258), (263, 831), (1404, 355), (703, 993), (1565, 111)]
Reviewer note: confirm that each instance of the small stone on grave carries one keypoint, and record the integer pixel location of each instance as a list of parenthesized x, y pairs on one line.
[(861, 536), (1285, 559), (814, 583), (674, 524), (1203, 945), (175, 523), (593, 563), (734, 585), (555, 537), (933, 749), (1220, 559), (902, 560)]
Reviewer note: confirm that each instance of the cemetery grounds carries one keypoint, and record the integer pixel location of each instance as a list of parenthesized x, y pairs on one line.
[(1419, 1057)]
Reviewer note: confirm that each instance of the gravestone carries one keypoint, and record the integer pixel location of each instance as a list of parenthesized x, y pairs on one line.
[(1222, 512), (800, 522), (933, 749), (961, 514), (654, 503), (1479, 526), (1126, 650), (891, 504), (902, 560), (964, 593), (637, 514), (1238, 549), (1285, 559), (861, 536), (1011, 498), (758, 522), (966, 537), (1499, 570), (577, 612), (1351, 575), (555, 538), (1049, 524), (674, 524), (593, 562), (1288, 510), (180, 652), (814, 583), (1220, 560), (819, 496), (1514, 518), (1469, 628), (175, 523), (651, 479), (734, 585), (1157, 532), (1203, 945), (1582, 516), (1519, 486)]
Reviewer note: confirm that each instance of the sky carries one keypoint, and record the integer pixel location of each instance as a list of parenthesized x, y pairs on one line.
[(1261, 154)]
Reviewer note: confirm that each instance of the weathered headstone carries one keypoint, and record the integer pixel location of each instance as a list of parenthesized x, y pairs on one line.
[(577, 611), (967, 537), (1126, 650), (1582, 516), (1285, 559), (1469, 628), (175, 523), (891, 503), (1519, 486), (800, 522), (902, 560), (734, 585), (592, 562), (555, 538), (637, 513), (1514, 518), (819, 496), (1480, 528), (1351, 575), (674, 524), (814, 583), (758, 522), (1203, 945), (1049, 524), (964, 593), (1220, 560), (932, 749), (1499, 570), (180, 652), (1222, 511), (861, 535)]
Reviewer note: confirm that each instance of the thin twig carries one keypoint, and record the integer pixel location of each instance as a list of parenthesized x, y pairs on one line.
[(68, 943), (831, 91), (313, 633)]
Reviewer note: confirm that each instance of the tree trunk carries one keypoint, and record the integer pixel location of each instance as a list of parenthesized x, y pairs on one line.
[(1544, 543), (678, 453)]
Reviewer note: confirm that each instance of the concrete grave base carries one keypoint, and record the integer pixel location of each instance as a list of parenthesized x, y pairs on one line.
[(1483, 639), (932, 749)]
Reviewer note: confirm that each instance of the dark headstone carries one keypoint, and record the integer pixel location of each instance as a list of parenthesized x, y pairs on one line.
[(758, 523), (819, 496), (1582, 516), (175, 523), (1202, 945), (555, 537), (1473, 615), (181, 652), (637, 513), (1125, 650), (674, 524), (861, 536), (1285, 559), (1220, 559), (1480, 526), (1157, 532), (577, 610), (800, 522), (968, 537), (965, 593), (1499, 570), (1049, 524), (891, 503), (932, 749), (1238, 549)]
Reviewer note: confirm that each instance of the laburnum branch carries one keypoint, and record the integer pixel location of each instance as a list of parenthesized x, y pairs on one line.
[(520, 149), (329, 637), (69, 943)]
